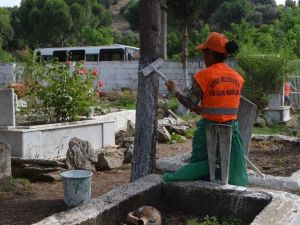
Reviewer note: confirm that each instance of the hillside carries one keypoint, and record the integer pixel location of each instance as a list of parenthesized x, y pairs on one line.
[(119, 22)]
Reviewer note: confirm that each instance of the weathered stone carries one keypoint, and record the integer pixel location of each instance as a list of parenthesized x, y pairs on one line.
[(5, 162), (130, 128), (127, 142), (110, 158), (81, 155), (128, 154), (167, 121), (182, 130), (37, 169), (246, 117), (221, 134), (260, 122), (163, 135), (120, 135)]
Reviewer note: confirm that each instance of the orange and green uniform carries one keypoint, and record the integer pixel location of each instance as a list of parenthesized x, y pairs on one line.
[(221, 87)]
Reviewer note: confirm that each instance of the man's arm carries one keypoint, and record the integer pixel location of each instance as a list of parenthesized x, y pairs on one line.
[(192, 99)]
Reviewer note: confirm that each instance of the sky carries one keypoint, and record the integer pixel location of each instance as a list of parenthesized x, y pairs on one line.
[(11, 3)]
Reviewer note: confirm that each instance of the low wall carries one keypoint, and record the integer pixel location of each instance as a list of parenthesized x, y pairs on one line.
[(251, 206), (52, 141)]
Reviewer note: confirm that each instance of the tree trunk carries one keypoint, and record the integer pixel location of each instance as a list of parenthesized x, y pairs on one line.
[(185, 53), (147, 97)]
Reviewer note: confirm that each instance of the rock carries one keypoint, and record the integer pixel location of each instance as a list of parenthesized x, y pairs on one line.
[(260, 122), (268, 120), (163, 135), (81, 155), (127, 142), (130, 128), (128, 154), (110, 158), (120, 135), (182, 130)]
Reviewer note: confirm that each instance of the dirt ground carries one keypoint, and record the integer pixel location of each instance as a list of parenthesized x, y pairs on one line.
[(26, 204)]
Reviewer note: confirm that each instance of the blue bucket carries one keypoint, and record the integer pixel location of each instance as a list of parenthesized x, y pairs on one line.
[(77, 186)]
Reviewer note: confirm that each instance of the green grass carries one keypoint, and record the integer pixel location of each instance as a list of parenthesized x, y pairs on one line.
[(190, 132), (177, 138), (22, 181), (191, 117), (173, 103), (122, 100), (213, 221), (276, 129)]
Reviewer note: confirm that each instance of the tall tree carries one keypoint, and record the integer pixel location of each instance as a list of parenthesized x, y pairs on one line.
[(147, 98), (6, 30), (48, 22), (188, 12)]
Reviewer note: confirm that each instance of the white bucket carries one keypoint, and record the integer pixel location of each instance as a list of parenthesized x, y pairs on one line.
[(77, 186)]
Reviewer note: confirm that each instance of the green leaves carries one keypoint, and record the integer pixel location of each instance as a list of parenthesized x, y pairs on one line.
[(68, 95)]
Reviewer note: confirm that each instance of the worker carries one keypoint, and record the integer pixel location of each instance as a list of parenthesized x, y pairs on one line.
[(216, 95), (288, 87)]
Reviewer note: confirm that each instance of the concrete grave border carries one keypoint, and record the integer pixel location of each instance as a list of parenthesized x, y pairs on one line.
[(51, 140), (263, 207)]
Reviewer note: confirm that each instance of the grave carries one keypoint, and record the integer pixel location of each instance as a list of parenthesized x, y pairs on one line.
[(7, 109), (5, 162), (200, 198), (50, 141), (275, 111)]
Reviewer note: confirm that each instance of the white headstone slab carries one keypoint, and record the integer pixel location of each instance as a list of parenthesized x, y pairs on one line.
[(246, 118), (7, 108), (5, 162), (274, 101)]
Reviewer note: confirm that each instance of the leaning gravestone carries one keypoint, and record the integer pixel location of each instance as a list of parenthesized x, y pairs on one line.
[(7, 109), (246, 118), (5, 162)]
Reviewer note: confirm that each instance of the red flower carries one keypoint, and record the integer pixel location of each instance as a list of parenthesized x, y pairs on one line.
[(83, 71), (100, 83), (95, 72)]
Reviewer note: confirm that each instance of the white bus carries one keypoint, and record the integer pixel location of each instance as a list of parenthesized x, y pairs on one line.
[(114, 52)]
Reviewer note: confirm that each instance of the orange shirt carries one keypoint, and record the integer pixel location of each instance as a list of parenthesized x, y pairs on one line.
[(221, 86), (287, 88)]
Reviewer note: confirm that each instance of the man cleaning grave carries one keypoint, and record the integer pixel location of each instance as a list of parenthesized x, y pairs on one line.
[(216, 95)]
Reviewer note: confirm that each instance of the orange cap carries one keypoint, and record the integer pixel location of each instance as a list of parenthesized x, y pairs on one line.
[(215, 42)]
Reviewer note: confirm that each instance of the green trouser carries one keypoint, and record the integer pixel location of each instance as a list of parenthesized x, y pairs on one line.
[(198, 167)]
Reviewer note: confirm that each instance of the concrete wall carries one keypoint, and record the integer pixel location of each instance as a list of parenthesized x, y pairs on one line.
[(52, 141), (7, 73), (115, 75), (120, 75)]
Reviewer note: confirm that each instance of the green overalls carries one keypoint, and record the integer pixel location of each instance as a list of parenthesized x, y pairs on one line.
[(198, 168)]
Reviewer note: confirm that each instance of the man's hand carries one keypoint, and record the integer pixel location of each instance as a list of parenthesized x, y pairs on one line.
[(171, 86), (197, 110)]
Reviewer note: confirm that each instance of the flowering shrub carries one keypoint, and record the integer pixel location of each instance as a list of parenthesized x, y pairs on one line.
[(19, 88), (63, 94)]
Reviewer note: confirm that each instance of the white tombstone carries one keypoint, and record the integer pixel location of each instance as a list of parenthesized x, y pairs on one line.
[(5, 162), (7, 108), (274, 101), (275, 111)]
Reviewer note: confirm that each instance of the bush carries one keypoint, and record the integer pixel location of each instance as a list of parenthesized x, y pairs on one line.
[(67, 95), (264, 74)]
